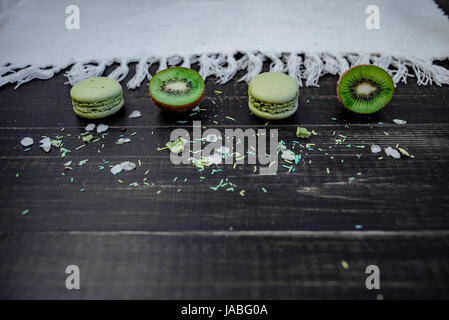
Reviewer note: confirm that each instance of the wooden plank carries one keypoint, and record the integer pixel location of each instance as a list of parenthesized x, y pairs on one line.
[(165, 266), (390, 194)]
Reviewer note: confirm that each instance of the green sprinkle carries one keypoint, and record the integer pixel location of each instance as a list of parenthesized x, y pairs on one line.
[(403, 151), (360, 147), (216, 91), (17, 175), (230, 118), (87, 138), (133, 134), (386, 133), (24, 212), (344, 264), (358, 226), (335, 119), (79, 147), (81, 190), (328, 171), (264, 190), (27, 149)]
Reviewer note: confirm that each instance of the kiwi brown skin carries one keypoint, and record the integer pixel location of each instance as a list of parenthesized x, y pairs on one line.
[(338, 93), (178, 108)]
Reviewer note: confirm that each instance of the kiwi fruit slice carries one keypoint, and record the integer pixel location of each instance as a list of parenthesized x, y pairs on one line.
[(365, 89), (176, 89)]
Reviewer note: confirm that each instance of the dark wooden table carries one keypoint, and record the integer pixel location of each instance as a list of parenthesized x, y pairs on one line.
[(311, 235)]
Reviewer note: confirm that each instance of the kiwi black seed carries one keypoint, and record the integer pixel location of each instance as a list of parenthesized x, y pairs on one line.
[(177, 89), (365, 89)]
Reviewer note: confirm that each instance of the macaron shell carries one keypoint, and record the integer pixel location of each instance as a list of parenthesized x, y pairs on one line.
[(98, 115), (271, 116), (96, 89), (273, 87)]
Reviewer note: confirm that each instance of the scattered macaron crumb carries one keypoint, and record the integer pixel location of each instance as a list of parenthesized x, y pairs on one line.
[(123, 140), (45, 144), (392, 153), (135, 114), (127, 166), (102, 128), (288, 155), (302, 133), (399, 121), (380, 296), (26, 142), (375, 148), (90, 127), (175, 146)]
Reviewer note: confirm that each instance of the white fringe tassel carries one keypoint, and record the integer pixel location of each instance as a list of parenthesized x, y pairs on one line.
[(306, 68)]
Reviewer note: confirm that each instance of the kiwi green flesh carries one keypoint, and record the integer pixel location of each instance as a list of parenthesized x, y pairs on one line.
[(365, 89), (176, 87)]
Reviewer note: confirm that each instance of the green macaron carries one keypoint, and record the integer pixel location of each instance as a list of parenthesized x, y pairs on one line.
[(273, 95), (96, 98)]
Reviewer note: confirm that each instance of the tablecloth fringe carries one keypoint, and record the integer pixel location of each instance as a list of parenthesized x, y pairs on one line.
[(305, 67)]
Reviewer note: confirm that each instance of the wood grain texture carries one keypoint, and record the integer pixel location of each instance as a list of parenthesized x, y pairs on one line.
[(133, 242), (176, 265)]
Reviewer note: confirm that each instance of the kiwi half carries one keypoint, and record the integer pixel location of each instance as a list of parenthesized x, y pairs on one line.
[(176, 89), (365, 89)]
